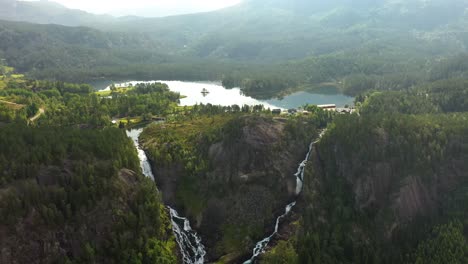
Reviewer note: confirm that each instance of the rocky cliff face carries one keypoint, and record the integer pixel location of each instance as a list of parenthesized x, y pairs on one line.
[(396, 174), (260, 154), (409, 195), (249, 178), (378, 186)]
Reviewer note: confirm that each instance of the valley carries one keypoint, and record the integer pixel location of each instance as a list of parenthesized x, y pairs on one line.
[(267, 132)]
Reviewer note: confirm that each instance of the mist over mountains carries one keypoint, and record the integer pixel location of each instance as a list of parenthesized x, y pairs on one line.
[(271, 33), (48, 12), (345, 13)]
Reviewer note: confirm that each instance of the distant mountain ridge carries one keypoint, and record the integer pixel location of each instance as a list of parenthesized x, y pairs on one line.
[(49, 12), (298, 36), (269, 30)]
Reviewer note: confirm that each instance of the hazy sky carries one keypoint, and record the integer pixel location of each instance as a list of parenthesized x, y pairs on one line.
[(146, 7)]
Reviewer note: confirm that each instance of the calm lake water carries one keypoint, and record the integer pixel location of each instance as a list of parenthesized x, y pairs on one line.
[(218, 95)]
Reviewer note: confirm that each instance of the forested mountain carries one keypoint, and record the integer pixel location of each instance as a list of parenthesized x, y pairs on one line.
[(266, 47), (388, 185), (71, 186), (258, 29), (49, 12), (35, 48), (393, 188), (78, 200), (262, 30)]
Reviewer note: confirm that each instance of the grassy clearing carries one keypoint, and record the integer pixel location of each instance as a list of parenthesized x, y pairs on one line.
[(189, 128), (129, 121), (8, 76), (17, 76), (120, 90), (132, 120), (6, 69)]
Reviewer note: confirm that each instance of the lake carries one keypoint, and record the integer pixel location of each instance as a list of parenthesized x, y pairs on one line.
[(218, 95)]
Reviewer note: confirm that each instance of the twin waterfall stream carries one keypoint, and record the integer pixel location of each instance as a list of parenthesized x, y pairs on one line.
[(190, 244)]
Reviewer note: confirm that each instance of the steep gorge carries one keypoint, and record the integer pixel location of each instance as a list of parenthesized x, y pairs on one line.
[(247, 176)]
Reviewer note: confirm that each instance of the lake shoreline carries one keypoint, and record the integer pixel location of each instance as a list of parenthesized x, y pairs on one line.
[(212, 92)]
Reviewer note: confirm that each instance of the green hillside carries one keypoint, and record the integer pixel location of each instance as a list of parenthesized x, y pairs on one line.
[(388, 185)]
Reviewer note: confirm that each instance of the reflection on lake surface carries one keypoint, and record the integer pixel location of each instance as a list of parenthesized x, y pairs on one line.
[(301, 98), (216, 94)]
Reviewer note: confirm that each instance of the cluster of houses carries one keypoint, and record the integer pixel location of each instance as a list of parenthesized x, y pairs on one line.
[(341, 110), (326, 107)]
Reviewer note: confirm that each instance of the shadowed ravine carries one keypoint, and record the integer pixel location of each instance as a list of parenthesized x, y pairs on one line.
[(190, 244), (262, 245)]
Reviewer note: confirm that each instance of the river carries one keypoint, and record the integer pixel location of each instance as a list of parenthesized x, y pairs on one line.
[(218, 95)]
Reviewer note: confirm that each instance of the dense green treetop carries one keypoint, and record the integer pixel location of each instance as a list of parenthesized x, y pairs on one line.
[(71, 176)]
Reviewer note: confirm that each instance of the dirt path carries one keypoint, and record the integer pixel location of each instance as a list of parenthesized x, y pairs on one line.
[(15, 105), (39, 113), (19, 106)]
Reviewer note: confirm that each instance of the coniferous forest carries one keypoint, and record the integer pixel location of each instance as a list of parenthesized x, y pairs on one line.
[(386, 180)]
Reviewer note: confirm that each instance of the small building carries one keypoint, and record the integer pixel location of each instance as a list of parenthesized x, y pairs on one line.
[(276, 111), (345, 110), (292, 111), (328, 107), (159, 119)]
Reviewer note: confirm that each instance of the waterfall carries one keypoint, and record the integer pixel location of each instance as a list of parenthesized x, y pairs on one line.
[(190, 244), (193, 251), (144, 163), (261, 245)]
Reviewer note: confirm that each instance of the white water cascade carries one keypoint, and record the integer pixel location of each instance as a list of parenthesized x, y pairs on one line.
[(144, 164), (190, 244), (191, 247), (261, 245)]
